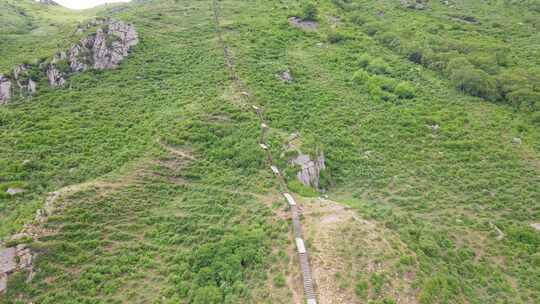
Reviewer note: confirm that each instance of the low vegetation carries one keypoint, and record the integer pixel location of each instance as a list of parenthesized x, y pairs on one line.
[(428, 120)]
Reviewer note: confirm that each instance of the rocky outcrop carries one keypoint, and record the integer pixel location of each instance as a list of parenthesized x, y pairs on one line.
[(5, 89), (414, 4), (306, 25), (104, 49), (310, 170), (48, 2), (18, 258), (25, 84)]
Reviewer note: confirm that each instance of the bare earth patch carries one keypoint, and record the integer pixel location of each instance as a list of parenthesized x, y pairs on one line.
[(355, 260)]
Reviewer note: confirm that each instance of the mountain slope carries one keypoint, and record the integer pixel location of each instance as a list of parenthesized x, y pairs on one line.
[(444, 183)]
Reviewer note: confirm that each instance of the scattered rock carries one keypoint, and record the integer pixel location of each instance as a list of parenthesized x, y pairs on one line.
[(285, 76), (304, 25), (310, 170), (516, 141), (535, 226), (14, 191), (434, 128)]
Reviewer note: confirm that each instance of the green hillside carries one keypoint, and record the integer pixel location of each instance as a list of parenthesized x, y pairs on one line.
[(429, 120)]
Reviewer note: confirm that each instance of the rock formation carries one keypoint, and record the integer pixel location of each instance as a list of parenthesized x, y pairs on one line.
[(310, 170), (48, 2), (25, 83), (104, 49), (18, 258), (414, 4), (5, 89)]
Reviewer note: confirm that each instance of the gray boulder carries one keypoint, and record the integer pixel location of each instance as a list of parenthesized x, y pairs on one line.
[(25, 84), (14, 191), (5, 89), (285, 76), (56, 78), (14, 259), (310, 170)]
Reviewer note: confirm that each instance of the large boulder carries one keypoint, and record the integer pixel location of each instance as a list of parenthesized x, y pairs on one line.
[(5, 89), (14, 259), (310, 170)]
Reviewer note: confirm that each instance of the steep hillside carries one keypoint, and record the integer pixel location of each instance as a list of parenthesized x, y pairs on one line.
[(423, 114)]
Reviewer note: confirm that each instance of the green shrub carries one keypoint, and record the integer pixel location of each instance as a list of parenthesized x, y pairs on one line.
[(361, 289), (279, 281), (379, 66), (371, 29), (364, 60), (207, 295), (475, 82), (536, 118), (335, 37), (389, 39), (309, 12), (360, 76), (357, 19), (404, 90), (415, 56), (524, 98)]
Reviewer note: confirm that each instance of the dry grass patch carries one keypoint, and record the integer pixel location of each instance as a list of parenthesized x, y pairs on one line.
[(355, 260)]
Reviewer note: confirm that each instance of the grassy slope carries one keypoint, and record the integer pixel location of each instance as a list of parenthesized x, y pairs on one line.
[(439, 191), (160, 229)]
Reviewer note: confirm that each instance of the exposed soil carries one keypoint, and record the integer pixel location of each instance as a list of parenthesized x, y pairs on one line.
[(346, 249)]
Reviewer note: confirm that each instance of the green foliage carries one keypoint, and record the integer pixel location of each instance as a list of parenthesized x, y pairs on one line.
[(379, 66), (279, 281), (361, 289), (404, 90), (360, 76), (335, 37), (433, 170), (475, 82), (364, 60), (309, 12), (305, 191), (525, 98)]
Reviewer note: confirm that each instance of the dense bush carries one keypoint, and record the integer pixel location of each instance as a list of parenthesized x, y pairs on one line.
[(404, 90), (310, 12), (475, 82), (335, 37)]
